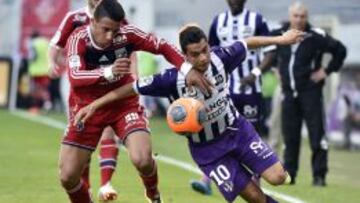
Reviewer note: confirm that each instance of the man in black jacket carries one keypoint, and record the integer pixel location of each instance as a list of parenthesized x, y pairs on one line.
[(302, 80)]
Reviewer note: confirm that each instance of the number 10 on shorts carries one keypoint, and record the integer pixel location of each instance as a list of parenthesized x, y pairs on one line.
[(220, 175)]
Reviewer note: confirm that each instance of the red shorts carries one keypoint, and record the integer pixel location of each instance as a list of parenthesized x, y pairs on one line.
[(43, 81), (88, 136)]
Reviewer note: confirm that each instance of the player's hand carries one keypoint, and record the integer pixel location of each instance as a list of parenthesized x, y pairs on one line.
[(84, 114), (291, 37), (121, 66), (318, 75), (195, 78), (248, 80), (54, 72)]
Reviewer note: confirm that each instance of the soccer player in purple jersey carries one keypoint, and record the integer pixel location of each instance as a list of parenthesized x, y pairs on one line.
[(228, 149)]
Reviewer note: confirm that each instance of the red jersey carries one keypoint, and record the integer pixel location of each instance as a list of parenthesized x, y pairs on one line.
[(87, 61), (72, 20)]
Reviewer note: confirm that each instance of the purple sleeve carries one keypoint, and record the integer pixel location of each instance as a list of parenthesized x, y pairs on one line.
[(213, 38), (159, 85), (262, 28), (232, 56)]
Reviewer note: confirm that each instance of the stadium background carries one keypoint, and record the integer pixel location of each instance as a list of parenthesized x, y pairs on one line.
[(29, 144)]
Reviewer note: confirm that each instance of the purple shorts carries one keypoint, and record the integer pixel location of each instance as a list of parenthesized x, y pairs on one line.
[(230, 160), (248, 106)]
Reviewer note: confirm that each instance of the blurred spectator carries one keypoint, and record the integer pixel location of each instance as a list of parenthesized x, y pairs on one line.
[(269, 84), (38, 71), (351, 100)]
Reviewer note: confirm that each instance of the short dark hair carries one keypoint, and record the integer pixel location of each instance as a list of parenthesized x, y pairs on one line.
[(111, 9), (189, 35)]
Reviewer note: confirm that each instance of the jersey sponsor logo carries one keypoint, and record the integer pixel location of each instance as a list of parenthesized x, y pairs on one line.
[(216, 108), (103, 59), (250, 111), (145, 81), (74, 61)]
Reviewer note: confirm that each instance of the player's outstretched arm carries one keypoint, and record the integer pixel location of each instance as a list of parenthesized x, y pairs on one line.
[(117, 94), (290, 37)]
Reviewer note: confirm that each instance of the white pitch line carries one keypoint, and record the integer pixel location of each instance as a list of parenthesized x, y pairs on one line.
[(165, 159)]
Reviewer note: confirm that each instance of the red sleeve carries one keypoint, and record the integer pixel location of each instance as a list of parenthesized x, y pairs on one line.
[(64, 31), (148, 42), (78, 73)]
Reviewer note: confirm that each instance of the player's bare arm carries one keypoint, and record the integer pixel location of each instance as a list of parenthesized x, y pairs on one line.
[(117, 94), (290, 37)]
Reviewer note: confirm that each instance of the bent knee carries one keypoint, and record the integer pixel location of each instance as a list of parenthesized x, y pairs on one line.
[(277, 178), (142, 161), (68, 178)]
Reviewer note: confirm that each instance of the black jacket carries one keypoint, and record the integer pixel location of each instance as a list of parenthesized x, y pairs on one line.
[(296, 66)]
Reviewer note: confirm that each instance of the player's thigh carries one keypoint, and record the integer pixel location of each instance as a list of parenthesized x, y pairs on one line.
[(138, 144), (252, 151), (72, 161), (229, 176), (130, 121)]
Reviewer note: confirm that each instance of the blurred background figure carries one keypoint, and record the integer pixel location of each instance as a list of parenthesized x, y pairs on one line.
[(344, 115), (303, 76), (38, 71)]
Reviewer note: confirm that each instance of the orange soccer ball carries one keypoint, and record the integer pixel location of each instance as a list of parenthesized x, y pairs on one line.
[(186, 115)]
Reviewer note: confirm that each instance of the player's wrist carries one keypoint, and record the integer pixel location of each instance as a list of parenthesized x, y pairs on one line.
[(256, 71), (108, 73), (185, 68)]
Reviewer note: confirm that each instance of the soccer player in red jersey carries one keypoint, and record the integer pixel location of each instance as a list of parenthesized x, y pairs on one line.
[(108, 144), (98, 62)]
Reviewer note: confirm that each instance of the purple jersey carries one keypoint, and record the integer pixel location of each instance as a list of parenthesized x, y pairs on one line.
[(221, 112)]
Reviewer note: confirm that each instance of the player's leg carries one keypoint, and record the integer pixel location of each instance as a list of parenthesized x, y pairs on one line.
[(203, 186), (72, 162), (233, 180), (253, 193), (255, 154), (138, 144), (133, 130), (108, 161)]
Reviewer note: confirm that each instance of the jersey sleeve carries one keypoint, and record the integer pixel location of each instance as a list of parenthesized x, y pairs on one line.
[(213, 37), (262, 28), (143, 41), (232, 56), (78, 73), (333, 46), (63, 32), (159, 85)]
